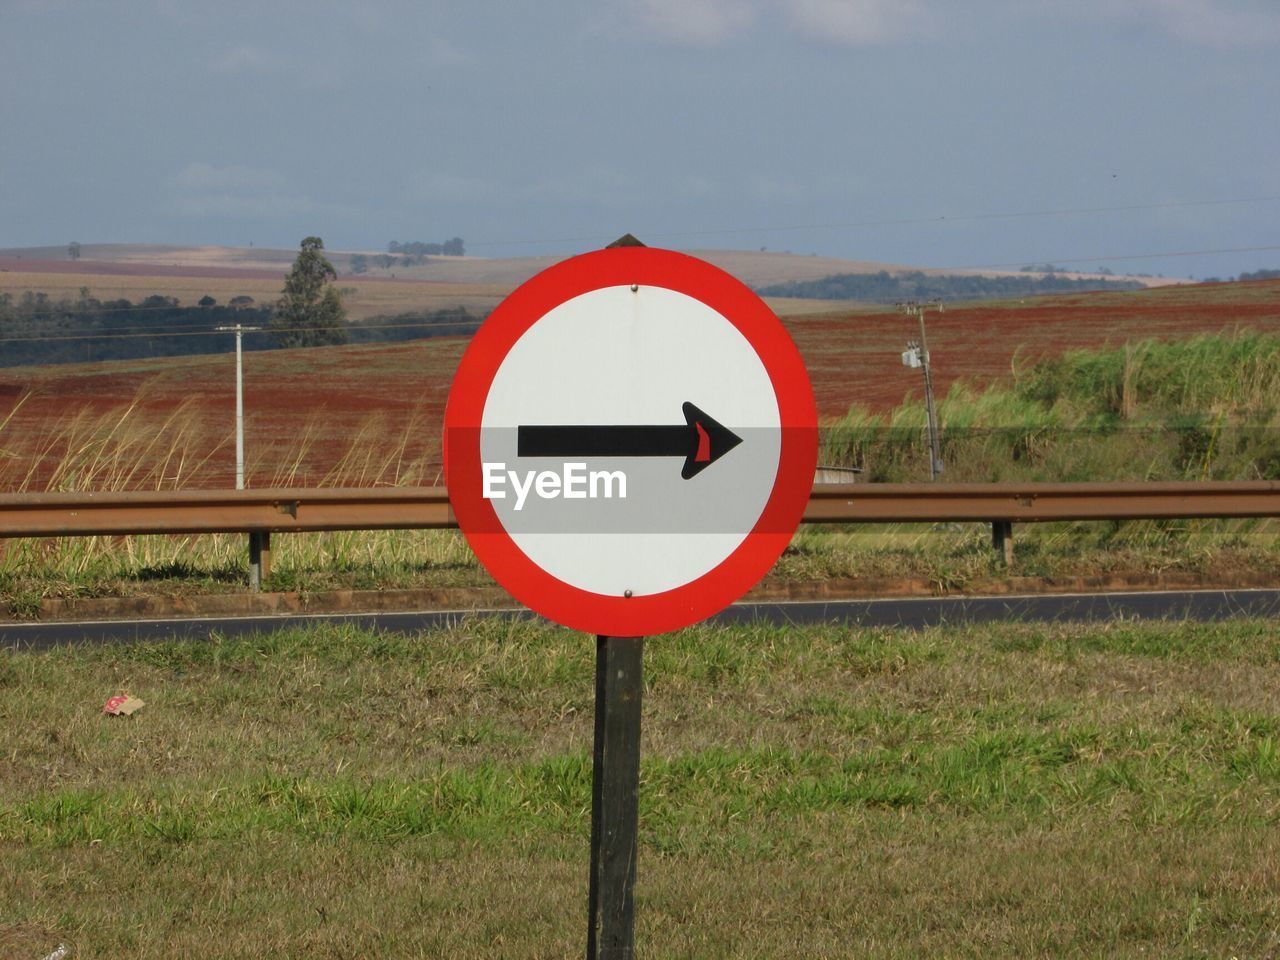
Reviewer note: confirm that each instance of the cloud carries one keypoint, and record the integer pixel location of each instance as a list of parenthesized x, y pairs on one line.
[(205, 190), (430, 187), (860, 23), (698, 22), (854, 23), (442, 53), (1224, 24), (1218, 24), (205, 177), (767, 189), (594, 185), (247, 61), (1221, 24)]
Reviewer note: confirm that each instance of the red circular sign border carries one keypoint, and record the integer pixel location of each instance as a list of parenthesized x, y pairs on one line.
[(717, 588)]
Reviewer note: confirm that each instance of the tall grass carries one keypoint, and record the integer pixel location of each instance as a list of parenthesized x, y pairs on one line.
[(1208, 407), (137, 447), (133, 448), (1236, 374), (1197, 409), (1205, 408)]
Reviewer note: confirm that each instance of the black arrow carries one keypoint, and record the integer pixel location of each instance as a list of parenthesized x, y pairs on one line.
[(700, 440)]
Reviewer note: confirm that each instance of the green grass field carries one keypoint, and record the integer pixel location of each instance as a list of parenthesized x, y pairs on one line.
[(1014, 790), (936, 558)]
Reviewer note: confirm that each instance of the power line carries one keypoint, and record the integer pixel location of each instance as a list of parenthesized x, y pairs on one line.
[(114, 335), (140, 308), (71, 316), (144, 328), (1112, 257), (66, 307), (900, 221)]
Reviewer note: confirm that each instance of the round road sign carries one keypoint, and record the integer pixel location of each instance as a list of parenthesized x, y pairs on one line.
[(630, 441)]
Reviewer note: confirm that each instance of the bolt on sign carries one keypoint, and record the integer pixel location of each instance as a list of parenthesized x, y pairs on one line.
[(630, 441)]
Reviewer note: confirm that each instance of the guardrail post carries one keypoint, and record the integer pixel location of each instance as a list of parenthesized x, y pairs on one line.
[(1002, 540), (259, 558)]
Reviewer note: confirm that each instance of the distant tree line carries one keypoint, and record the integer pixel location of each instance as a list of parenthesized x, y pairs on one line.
[(1054, 268), (885, 287), (36, 329), (450, 248), (360, 263), (416, 325), (1256, 275), (410, 254)]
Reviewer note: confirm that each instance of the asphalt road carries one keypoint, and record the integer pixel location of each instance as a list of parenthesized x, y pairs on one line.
[(910, 613)]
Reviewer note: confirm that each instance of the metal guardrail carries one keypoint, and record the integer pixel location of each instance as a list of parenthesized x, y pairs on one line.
[(305, 510), (259, 513), (1038, 502), (223, 511)]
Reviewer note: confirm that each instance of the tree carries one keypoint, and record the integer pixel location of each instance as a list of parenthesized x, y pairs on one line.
[(207, 301), (309, 312), (73, 250), (359, 263)]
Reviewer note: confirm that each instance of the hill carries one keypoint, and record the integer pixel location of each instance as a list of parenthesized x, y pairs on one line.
[(752, 267)]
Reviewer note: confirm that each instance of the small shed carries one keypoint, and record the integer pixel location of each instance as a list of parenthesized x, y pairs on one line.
[(836, 474)]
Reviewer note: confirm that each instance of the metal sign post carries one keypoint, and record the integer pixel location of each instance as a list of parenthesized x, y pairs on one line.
[(615, 788)]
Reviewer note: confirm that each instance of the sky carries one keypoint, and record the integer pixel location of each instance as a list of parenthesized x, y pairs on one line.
[(926, 132)]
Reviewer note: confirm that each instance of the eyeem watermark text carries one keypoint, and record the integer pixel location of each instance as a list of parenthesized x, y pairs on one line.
[(574, 482)]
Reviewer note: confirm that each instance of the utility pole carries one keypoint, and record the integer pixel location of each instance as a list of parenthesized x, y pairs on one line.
[(917, 355), (239, 330), (259, 540)]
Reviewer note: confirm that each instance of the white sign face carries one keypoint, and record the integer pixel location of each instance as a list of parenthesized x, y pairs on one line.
[(630, 440)]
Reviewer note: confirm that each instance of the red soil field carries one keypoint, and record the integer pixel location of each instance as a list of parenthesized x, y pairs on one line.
[(856, 359), (371, 414)]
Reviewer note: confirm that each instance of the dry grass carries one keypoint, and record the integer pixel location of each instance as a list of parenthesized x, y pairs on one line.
[(147, 445), (370, 416), (1012, 790)]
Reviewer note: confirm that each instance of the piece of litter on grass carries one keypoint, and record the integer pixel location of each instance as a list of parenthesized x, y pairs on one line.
[(122, 705), (60, 950)]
